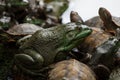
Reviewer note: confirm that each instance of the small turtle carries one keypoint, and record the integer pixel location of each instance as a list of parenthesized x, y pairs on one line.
[(105, 51), (105, 21), (18, 31), (71, 70), (23, 29)]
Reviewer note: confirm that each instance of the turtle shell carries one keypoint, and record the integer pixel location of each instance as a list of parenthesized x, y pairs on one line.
[(23, 29), (116, 21), (71, 70), (94, 22), (91, 42)]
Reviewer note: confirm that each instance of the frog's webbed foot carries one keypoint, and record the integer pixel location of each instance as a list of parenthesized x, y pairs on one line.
[(29, 61)]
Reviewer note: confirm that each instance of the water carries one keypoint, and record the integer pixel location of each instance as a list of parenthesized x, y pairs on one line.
[(89, 8)]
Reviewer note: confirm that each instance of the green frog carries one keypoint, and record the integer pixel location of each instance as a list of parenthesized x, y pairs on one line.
[(48, 45)]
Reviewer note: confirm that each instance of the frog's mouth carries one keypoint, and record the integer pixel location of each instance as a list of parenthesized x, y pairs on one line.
[(82, 34), (77, 39)]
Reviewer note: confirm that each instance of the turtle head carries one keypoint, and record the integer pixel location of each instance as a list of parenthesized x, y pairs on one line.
[(105, 15), (110, 22), (74, 17)]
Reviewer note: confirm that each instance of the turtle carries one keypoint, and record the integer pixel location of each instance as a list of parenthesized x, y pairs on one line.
[(74, 17), (17, 32), (111, 23), (96, 38), (105, 21), (71, 70), (23, 29)]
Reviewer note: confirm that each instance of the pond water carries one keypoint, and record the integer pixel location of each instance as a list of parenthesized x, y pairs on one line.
[(89, 8)]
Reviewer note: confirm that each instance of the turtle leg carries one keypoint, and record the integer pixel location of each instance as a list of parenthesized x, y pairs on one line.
[(30, 61)]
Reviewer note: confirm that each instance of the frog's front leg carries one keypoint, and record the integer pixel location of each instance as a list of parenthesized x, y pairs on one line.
[(29, 61)]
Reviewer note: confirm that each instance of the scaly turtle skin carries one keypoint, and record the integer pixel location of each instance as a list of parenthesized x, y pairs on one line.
[(71, 70), (105, 51), (48, 45)]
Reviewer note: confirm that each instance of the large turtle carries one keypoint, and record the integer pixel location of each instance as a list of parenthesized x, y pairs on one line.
[(71, 70)]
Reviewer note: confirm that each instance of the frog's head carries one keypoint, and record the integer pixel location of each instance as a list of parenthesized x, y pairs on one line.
[(74, 34)]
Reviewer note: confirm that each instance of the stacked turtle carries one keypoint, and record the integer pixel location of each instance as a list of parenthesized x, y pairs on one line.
[(19, 18), (102, 45), (100, 48)]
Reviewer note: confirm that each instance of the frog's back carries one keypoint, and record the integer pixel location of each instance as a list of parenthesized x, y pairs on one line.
[(44, 42)]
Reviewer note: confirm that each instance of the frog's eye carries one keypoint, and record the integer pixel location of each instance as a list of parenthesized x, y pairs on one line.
[(78, 28), (70, 35)]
